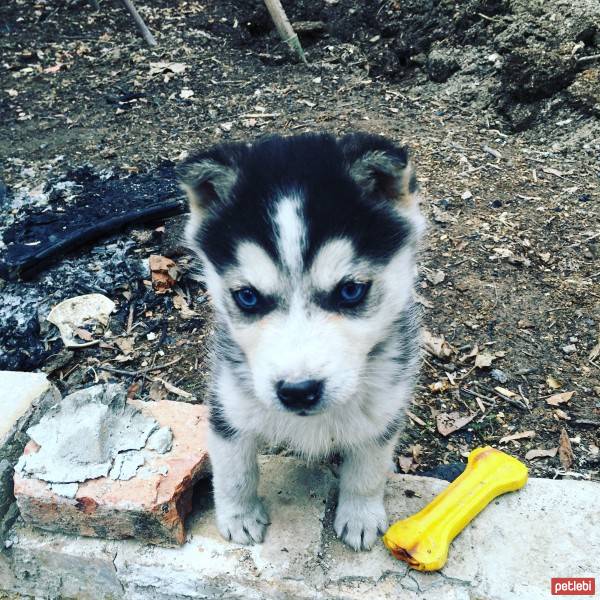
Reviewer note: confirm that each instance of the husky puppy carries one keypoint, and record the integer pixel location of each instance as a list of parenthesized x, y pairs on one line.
[(308, 247)]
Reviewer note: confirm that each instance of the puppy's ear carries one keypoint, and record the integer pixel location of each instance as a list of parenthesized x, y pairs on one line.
[(209, 177), (380, 168)]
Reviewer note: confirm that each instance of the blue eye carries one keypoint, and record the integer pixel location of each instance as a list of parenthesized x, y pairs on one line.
[(246, 298), (352, 293)]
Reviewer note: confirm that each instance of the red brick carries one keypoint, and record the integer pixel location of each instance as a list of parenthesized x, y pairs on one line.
[(151, 509)]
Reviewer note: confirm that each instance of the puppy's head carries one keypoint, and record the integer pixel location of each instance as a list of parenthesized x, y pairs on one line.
[(308, 246)]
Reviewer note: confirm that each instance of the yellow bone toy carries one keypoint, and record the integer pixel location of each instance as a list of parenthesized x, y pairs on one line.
[(423, 539)]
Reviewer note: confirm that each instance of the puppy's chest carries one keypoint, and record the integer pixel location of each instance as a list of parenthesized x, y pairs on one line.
[(318, 435)]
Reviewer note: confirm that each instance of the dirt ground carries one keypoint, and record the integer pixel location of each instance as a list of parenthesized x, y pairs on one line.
[(501, 108)]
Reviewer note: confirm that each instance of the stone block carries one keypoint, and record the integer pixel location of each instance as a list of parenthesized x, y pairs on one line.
[(509, 552)]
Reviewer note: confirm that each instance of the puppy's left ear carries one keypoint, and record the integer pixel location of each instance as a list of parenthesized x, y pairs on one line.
[(380, 168)]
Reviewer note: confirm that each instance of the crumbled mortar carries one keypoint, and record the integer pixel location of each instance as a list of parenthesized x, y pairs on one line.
[(92, 433)]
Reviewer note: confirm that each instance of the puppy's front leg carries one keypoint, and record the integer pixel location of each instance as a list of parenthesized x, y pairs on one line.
[(360, 516), (241, 516)]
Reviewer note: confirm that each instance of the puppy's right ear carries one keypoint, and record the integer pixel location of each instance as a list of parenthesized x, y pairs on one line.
[(208, 178)]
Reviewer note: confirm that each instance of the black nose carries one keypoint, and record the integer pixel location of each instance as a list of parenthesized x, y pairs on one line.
[(299, 394)]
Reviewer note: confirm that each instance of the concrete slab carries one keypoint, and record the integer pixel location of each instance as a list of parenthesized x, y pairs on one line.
[(510, 552), (23, 399), (18, 393)]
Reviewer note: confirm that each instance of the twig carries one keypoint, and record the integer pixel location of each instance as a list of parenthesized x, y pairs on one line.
[(284, 27), (524, 397), (130, 318), (140, 371), (492, 401), (512, 401), (590, 58), (146, 34)]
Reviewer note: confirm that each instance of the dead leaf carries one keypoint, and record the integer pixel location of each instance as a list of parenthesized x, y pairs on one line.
[(552, 171), (561, 414), (438, 387), (557, 399), (552, 383), (54, 68), (442, 216), (122, 358), (448, 423), (416, 450), (505, 392), (484, 360), (436, 277), (158, 391), (416, 419), (541, 453), (125, 345), (183, 307), (405, 463), (504, 252), (517, 436), (164, 273), (84, 334), (491, 151), (161, 67), (565, 451), (132, 390), (436, 345), (511, 257), (595, 353)]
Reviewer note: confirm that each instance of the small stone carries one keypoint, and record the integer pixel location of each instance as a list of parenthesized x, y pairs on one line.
[(436, 277), (499, 375), (569, 349)]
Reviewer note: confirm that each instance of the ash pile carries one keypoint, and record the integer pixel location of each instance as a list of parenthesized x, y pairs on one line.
[(85, 231)]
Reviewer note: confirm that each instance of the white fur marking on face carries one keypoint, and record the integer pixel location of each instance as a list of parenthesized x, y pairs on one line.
[(256, 268), (333, 262), (291, 235)]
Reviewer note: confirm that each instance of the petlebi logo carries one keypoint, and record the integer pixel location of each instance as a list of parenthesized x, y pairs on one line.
[(573, 586)]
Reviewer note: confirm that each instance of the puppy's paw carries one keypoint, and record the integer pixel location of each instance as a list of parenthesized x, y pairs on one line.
[(244, 526), (359, 521)]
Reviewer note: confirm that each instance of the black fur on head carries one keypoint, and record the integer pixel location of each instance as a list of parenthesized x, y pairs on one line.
[(357, 186)]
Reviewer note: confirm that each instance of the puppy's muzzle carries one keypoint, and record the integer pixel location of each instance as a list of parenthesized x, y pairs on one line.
[(300, 396)]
